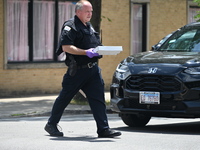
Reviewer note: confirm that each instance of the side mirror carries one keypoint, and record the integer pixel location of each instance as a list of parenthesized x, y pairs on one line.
[(153, 48)]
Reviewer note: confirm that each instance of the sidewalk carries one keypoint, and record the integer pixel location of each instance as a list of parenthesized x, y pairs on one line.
[(38, 106)]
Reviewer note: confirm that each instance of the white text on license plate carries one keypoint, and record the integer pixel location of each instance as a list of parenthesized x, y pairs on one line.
[(149, 97)]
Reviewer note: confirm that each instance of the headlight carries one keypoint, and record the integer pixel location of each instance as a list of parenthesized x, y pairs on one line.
[(194, 70), (122, 71)]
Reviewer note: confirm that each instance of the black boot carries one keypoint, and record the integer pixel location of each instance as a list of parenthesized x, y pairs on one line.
[(53, 130), (108, 133)]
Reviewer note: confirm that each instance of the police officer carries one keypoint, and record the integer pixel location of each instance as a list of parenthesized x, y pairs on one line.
[(78, 40)]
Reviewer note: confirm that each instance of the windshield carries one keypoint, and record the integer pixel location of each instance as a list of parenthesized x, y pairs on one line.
[(186, 39)]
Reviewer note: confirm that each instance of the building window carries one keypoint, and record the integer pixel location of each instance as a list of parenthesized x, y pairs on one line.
[(33, 28), (192, 12), (138, 27)]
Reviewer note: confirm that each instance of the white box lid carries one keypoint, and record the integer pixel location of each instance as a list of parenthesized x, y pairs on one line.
[(108, 50)]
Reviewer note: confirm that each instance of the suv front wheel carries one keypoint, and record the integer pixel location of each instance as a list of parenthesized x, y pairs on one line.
[(135, 120)]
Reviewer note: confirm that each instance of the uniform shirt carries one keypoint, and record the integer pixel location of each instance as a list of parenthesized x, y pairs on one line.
[(74, 32)]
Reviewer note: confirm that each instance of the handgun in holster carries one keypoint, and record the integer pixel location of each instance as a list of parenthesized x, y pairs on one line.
[(72, 65), (69, 61)]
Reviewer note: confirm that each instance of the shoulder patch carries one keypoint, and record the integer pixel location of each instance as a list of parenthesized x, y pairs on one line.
[(67, 28)]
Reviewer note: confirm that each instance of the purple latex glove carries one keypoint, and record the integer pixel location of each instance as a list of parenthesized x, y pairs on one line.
[(90, 53)]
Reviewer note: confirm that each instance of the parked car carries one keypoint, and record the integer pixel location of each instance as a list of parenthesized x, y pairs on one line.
[(164, 82)]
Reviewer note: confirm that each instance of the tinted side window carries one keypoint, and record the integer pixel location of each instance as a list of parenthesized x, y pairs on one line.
[(183, 40)]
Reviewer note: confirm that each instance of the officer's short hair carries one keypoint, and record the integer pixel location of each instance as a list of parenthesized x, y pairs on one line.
[(79, 4)]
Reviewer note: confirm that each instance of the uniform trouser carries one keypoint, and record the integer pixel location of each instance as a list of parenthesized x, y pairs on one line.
[(92, 84)]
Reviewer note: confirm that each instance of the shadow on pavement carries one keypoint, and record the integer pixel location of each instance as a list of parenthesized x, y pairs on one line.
[(83, 139), (189, 128)]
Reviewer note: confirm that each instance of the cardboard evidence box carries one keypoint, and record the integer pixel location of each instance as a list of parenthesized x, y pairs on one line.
[(108, 50)]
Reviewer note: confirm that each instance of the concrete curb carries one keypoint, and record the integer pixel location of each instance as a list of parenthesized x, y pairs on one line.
[(38, 106), (48, 113)]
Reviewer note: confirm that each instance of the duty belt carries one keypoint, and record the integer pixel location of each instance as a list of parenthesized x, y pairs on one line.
[(89, 65)]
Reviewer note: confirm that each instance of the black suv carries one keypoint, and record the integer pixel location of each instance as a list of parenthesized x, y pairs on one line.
[(164, 82)]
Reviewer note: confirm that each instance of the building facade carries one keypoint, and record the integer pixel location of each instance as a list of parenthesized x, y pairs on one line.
[(30, 29)]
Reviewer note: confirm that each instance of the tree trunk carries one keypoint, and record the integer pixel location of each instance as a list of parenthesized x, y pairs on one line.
[(96, 17)]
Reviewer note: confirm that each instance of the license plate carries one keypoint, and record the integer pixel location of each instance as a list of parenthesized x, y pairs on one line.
[(149, 97)]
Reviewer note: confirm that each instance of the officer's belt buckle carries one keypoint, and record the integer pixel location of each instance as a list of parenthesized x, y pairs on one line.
[(90, 65)]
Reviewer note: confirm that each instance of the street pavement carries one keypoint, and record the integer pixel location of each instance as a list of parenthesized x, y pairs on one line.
[(22, 122), (38, 106)]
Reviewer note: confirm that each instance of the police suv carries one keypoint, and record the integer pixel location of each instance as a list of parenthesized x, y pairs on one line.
[(163, 82)]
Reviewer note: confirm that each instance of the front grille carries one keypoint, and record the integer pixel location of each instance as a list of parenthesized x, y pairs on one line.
[(163, 106), (153, 83)]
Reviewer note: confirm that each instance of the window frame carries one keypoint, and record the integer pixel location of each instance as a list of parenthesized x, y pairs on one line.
[(54, 63), (190, 4), (145, 36)]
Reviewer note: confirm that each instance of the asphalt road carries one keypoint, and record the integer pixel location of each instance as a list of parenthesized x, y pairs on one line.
[(26, 133)]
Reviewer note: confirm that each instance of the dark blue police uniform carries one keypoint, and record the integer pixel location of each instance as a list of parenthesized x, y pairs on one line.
[(87, 77)]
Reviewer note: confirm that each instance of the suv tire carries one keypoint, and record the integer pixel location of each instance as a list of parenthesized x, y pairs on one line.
[(135, 120)]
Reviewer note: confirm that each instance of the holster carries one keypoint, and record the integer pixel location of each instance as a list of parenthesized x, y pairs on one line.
[(72, 67)]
